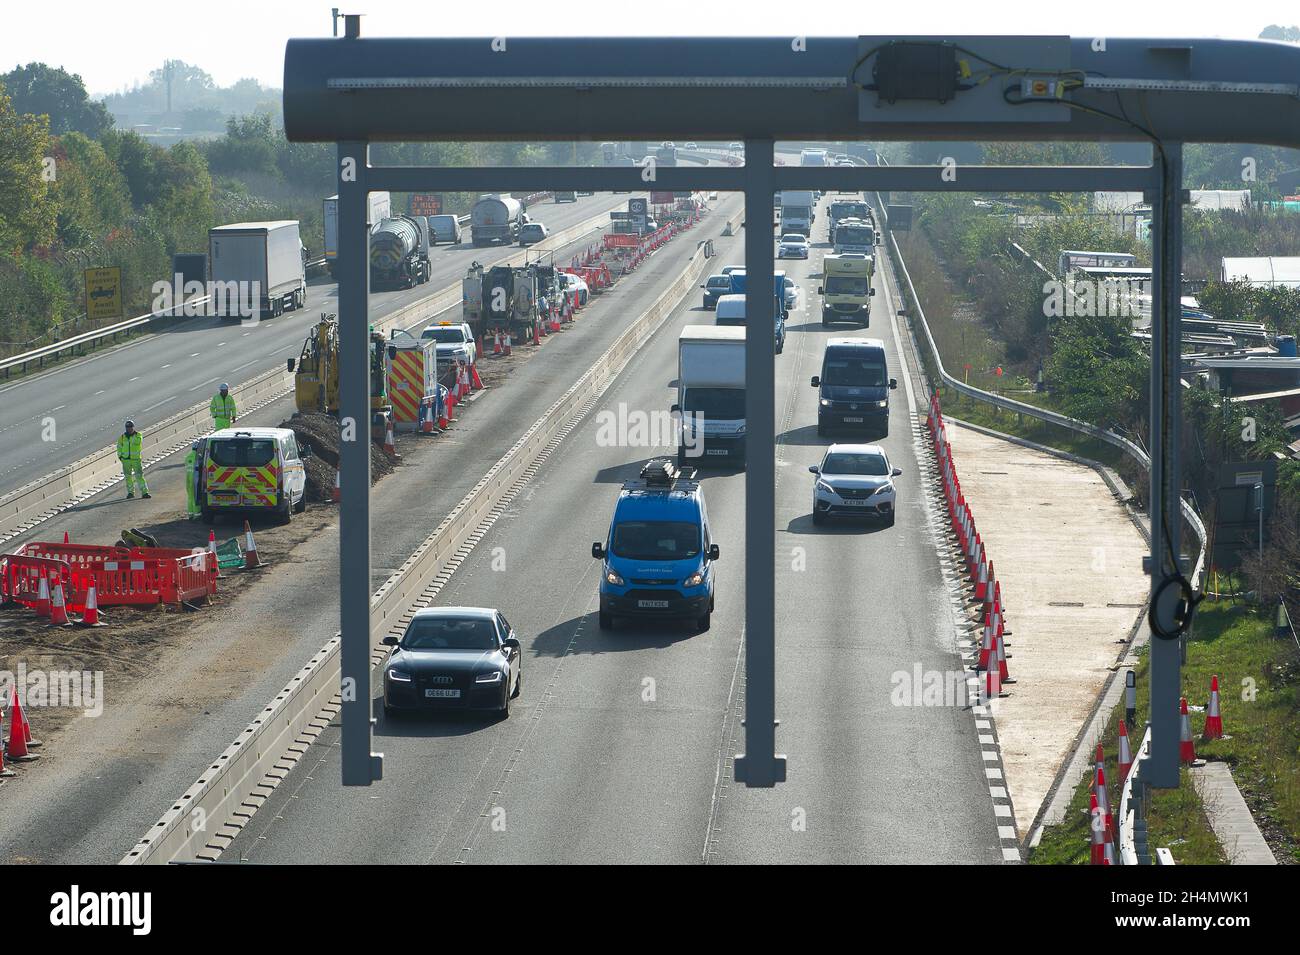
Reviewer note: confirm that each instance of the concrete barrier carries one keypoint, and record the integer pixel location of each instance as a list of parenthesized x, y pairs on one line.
[(234, 785)]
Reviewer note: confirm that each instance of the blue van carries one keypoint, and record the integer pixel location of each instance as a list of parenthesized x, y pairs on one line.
[(853, 388), (659, 553)]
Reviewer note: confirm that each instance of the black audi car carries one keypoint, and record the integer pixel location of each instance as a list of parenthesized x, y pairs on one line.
[(453, 658)]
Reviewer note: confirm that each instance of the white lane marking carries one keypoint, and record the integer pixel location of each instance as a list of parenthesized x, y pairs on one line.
[(898, 345), (98, 393), (59, 408), (246, 364), (136, 378), (220, 344), (159, 404), (202, 383), (195, 355), (168, 365)]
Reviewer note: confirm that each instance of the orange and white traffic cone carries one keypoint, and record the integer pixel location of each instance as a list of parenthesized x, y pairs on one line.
[(537, 338), (1004, 675), (251, 560), (426, 419), (16, 745), (507, 344), (19, 719), (475, 381), (986, 646), (390, 443), (58, 609), (993, 681), (1097, 824), (1213, 719), (1108, 850), (1186, 748), (496, 343), (337, 495), (90, 616), (1103, 800), (66, 538), (1125, 753), (43, 597), (212, 549)]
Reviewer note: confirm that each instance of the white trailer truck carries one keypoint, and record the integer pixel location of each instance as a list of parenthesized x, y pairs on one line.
[(256, 269), (381, 207), (711, 394)]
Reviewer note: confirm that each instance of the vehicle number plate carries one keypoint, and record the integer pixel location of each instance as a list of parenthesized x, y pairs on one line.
[(653, 604), (715, 450), (853, 503), (853, 421), (442, 694)]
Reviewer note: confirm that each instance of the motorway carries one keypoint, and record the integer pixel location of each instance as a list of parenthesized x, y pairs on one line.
[(619, 749), (105, 780), (155, 376)]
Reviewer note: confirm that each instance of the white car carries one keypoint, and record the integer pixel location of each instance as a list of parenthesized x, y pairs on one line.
[(692, 146), (854, 480), (713, 197), (532, 232), (575, 283), (454, 341), (793, 246), (791, 293)]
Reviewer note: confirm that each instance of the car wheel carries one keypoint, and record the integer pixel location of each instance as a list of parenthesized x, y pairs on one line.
[(284, 513), (889, 522), (606, 621), (821, 429), (702, 622), (505, 707), (302, 503)]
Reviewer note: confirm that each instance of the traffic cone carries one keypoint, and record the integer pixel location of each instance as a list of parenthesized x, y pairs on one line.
[(337, 495), (19, 718), (251, 560), (58, 609), (537, 340), (475, 381), (1186, 748), (1103, 800), (507, 344), (390, 444), (1125, 754), (986, 645), (16, 745), (5, 771), (496, 344), (43, 597), (982, 581), (465, 386), (426, 419), (993, 681), (1097, 824), (1213, 720), (66, 539), (90, 616), (440, 408), (1004, 675), (1108, 855)]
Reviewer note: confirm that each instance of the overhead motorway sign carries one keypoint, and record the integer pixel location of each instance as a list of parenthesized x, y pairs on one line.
[(104, 293), (426, 204)]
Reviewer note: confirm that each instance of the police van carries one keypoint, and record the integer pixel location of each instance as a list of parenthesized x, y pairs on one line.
[(659, 552), (254, 470)]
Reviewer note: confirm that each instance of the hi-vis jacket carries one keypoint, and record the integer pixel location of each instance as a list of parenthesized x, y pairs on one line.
[(222, 406), (129, 447)]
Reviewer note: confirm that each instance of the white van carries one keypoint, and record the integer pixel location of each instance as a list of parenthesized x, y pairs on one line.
[(257, 470), (445, 228)]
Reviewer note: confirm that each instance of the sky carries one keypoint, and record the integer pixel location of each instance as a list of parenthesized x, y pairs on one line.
[(114, 46)]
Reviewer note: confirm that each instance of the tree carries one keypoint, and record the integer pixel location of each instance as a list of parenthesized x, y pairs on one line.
[(251, 146), (1098, 371), (53, 92), (137, 161), (91, 194), (1275, 32), (27, 216)]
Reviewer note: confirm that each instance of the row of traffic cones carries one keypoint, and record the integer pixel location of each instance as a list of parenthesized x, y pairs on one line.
[(1104, 835), (985, 589), (52, 605)]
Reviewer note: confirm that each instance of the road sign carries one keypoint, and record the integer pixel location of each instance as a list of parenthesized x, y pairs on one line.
[(426, 204), (104, 293)]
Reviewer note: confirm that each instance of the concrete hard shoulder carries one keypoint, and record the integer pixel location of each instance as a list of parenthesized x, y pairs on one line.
[(1069, 560), (1230, 817)]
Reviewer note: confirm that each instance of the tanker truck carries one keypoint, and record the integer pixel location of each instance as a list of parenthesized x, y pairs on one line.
[(496, 219), (399, 253)]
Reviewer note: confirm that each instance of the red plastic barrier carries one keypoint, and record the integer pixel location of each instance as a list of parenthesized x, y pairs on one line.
[(128, 575), (20, 577)]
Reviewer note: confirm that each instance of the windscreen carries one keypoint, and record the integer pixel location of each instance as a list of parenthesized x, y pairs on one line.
[(656, 540), (846, 235), (444, 336), (846, 285), (450, 633), (866, 465), (242, 452), (721, 404), (854, 372)]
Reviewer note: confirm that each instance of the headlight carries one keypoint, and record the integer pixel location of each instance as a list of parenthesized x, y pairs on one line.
[(823, 486), (694, 580), (492, 677), (399, 676), (613, 578), (825, 403), (883, 404)]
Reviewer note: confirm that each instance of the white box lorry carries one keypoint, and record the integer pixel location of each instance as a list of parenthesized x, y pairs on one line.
[(798, 210), (711, 394), (381, 207), (256, 269)]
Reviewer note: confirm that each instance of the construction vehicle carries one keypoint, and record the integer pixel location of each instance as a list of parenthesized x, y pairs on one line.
[(316, 375), (509, 297)]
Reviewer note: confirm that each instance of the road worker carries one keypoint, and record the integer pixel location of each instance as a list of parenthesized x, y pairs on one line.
[(222, 408), (129, 451), (192, 510)]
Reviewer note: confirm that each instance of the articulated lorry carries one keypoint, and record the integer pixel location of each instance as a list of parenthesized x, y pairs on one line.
[(798, 210), (846, 288), (381, 206), (496, 219), (399, 252), (256, 269), (854, 235), (711, 394), (841, 209)]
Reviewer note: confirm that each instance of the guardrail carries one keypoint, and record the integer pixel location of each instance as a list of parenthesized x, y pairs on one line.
[(1132, 820), (27, 506), (1020, 407), (229, 783)]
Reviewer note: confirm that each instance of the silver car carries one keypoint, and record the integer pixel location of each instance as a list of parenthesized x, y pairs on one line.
[(854, 480)]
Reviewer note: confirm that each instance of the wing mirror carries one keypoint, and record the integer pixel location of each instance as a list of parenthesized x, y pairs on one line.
[(821, 290), (896, 472), (816, 381), (512, 642), (390, 641), (291, 362), (893, 382), (872, 292), (714, 552), (598, 550)]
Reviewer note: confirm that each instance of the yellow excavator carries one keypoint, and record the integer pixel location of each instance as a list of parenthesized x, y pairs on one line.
[(316, 374)]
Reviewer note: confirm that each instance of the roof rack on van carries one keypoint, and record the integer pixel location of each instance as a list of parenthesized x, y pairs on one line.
[(663, 474)]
